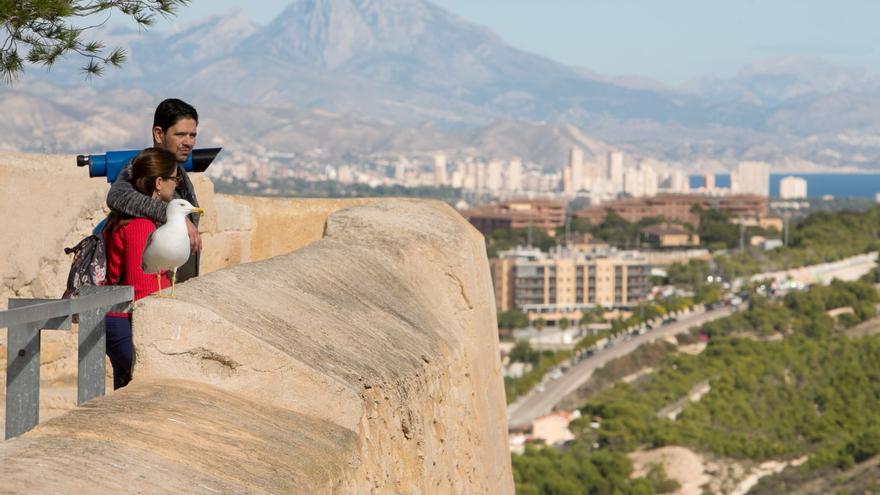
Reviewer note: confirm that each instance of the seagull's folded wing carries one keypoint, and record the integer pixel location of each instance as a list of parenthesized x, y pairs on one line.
[(149, 259)]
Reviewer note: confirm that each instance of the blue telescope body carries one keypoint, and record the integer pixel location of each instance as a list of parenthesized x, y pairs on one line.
[(111, 163)]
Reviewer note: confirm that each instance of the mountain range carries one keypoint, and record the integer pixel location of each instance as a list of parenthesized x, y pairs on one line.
[(372, 76)]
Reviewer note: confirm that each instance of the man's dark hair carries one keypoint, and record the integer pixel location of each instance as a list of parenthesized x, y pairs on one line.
[(170, 111)]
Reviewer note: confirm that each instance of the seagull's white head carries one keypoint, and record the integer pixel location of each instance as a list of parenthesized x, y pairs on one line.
[(180, 208)]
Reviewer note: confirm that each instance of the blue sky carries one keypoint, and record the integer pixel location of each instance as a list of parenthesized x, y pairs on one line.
[(672, 41)]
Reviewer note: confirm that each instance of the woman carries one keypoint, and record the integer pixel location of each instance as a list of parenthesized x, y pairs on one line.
[(154, 174)]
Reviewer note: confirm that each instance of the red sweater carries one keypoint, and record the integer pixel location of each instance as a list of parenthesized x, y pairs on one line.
[(125, 249)]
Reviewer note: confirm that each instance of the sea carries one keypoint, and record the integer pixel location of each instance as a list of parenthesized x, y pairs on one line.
[(818, 185)]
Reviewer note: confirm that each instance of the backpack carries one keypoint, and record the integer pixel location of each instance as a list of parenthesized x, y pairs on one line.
[(89, 266)]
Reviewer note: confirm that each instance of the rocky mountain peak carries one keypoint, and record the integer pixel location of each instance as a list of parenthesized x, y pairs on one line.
[(333, 33)]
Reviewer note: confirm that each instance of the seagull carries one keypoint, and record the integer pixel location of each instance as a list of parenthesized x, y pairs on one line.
[(168, 246)]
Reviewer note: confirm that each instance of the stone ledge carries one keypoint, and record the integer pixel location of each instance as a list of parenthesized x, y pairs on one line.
[(177, 437), (384, 330)]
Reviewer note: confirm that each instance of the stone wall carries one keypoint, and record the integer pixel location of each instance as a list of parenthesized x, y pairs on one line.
[(366, 361), (49, 203)]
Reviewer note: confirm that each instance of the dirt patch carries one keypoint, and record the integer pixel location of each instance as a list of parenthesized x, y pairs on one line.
[(638, 374), (764, 469), (680, 463), (692, 349), (698, 474)]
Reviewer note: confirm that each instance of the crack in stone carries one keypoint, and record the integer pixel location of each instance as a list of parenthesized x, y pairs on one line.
[(201, 352), (461, 289)]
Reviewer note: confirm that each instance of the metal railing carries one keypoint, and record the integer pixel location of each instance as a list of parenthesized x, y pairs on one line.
[(27, 318)]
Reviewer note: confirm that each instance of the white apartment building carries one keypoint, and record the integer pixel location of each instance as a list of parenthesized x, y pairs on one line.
[(514, 177), (614, 170), (751, 178), (678, 182), (494, 177), (567, 186), (440, 170), (793, 188), (576, 164), (640, 181)]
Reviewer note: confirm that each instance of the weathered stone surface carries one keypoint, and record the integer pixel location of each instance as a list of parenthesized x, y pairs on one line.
[(279, 226), (48, 203), (377, 339), (384, 327), (177, 437)]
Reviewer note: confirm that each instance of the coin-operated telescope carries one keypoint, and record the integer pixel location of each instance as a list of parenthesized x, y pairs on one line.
[(112, 162)]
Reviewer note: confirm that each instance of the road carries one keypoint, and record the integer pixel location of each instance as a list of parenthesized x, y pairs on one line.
[(846, 269), (537, 403)]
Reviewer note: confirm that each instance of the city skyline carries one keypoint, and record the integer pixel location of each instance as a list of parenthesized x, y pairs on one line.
[(672, 43)]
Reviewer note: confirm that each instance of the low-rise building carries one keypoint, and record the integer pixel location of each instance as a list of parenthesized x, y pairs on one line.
[(670, 236), (560, 285), (544, 214), (676, 207), (764, 222)]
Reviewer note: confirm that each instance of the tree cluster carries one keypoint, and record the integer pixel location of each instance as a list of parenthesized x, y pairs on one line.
[(816, 392), (580, 471)]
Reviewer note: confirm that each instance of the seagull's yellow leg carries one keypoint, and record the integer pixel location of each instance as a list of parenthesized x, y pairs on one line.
[(173, 276), (158, 284)]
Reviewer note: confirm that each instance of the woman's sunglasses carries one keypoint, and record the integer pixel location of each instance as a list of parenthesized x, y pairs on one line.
[(176, 178)]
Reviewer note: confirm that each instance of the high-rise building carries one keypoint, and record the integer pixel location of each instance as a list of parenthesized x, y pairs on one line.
[(591, 175), (614, 170), (567, 186), (481, 176), (439, 169), (533, 180), (576, 164), (709, 181), (650, 179), (640, 181), (470, 176), (678, 182), (514, 176), (792, 188), (459, 174), (494, 178), (751, 178), (633, 183)]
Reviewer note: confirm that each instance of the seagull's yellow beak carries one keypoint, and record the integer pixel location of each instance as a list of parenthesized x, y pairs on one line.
[(198, 210)]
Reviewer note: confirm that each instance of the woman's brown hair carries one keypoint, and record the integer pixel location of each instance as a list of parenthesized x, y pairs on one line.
[(149, 165), (146, 167)]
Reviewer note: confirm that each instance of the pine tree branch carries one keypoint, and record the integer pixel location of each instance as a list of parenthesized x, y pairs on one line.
[(41, 32)]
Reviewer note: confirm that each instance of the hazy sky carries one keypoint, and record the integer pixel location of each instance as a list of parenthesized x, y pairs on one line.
[(671, 41)]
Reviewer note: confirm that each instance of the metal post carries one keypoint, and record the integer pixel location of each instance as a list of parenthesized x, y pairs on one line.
[(26, 318), (23, 369), (92, 346)]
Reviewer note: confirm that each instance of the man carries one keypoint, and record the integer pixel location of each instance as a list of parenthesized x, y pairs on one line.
[(175, 126)]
